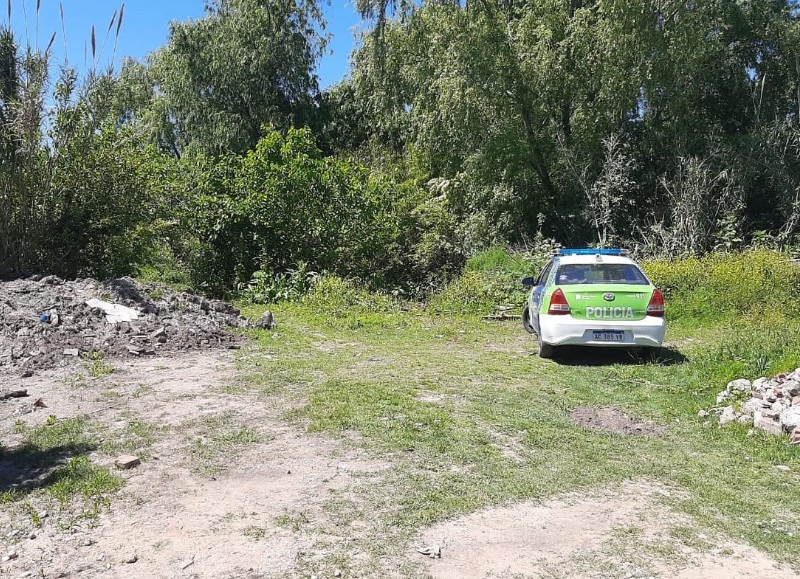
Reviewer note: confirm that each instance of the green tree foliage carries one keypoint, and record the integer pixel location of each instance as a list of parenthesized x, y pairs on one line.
[(245, 64), (514, 105), (284, 204), (73, 185)]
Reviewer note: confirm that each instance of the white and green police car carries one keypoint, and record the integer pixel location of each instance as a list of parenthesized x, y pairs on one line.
[(593, 297)]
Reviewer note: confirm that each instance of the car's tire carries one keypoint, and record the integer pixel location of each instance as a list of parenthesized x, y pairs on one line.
[(546, 351), (526, 320)]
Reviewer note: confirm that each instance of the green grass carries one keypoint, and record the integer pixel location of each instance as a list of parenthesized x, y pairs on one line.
[(51, 462), (469, 417), (217, 437)]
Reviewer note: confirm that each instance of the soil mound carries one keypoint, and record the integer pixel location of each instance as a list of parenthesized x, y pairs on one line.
[(46, 321), (613, 420)]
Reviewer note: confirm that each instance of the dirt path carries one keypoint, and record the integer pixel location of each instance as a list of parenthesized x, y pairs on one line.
[(229, 488), (257, 512)]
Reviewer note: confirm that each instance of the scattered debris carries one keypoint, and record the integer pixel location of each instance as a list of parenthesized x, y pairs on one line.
[(769, 404), (127, 461), (50, 322), (6, 394), (434, 551)]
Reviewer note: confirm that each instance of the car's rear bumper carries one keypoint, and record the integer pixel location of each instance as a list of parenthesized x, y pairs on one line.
[(569, 331)]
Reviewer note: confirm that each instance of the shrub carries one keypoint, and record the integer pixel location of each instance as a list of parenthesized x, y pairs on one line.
[(751, 283)]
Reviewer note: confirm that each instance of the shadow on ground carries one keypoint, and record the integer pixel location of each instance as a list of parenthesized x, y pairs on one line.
[(587, 356), (25, 468)]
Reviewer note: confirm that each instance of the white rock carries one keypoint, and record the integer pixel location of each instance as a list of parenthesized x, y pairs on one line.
[(728, 415), (722, 397), (761, 384), (741, 385), (702, 414), (766, 423), (752, 405), (790, 418)]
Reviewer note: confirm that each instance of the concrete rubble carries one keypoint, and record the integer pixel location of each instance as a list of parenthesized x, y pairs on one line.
[(47, 322), (769, 404)]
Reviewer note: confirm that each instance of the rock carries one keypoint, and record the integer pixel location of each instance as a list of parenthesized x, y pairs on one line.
[(790, 418), (796, 401), (766, 423), (187, 563), (744, 419), (795, 438), (723, 396), (752, 405), (740, 385), (760, 383), (782, 467), (132, 558), (266, 321), (702, 414), (71, 352), (27, 374), (728, 415), (127, 461)]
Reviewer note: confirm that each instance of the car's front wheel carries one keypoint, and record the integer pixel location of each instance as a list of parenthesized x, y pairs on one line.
[(526, 320)]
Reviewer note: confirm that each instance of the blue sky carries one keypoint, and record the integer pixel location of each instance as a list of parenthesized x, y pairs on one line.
[(145, 28)]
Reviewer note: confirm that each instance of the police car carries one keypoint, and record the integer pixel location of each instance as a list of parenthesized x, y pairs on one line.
[(593, 297)]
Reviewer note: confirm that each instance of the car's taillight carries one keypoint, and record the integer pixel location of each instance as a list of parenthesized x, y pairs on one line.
[(558, 304), (656, 305)]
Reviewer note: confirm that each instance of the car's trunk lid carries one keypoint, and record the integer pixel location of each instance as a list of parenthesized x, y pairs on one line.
[(608, 301)]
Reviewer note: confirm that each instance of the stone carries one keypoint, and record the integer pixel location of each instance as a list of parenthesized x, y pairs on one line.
[(766, 423), (796, 401), (72, 352), (702, 414), (266, 321), (132, 558), (10, 556), (744, 419), (27, 374), (795, 438), (728, 415), (760, 383), (782, 467), (127, 461), (790, 418), (752, 405), (740, 385), (722, 396)]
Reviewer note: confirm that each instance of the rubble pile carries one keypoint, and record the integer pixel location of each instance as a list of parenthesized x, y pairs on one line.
[(770, 404), (46, 321)]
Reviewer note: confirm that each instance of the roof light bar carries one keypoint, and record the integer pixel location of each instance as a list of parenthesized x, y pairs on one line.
[(590, 251)]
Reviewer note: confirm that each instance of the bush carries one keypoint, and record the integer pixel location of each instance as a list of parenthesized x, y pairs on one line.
[(756, 282)]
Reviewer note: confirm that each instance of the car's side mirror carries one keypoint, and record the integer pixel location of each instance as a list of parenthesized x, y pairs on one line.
[(528, 282)]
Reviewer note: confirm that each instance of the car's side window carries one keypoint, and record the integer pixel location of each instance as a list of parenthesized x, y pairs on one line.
[(545, 273)]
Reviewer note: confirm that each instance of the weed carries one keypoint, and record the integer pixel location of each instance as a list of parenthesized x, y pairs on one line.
[(96, 365), (80, 477)]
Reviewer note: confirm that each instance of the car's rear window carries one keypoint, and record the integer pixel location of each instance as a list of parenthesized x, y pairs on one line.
[(597, 273)]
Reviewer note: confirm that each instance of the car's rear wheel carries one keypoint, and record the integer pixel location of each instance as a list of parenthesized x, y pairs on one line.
[(526, 320), (545, 350)]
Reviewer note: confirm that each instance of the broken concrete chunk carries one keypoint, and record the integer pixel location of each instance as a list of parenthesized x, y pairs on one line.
[(127, 461)]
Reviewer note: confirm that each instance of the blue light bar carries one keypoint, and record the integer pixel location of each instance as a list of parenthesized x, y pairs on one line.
[(590, 251)]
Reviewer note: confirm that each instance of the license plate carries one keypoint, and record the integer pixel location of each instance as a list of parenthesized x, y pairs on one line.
[(608, 336)]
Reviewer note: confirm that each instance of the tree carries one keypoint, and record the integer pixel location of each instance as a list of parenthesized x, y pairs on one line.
[(247, 63)]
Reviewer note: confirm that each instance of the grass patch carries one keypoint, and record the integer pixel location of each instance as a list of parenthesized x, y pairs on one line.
[(135, 438), (52, 462), (469, 417), (219, 437)]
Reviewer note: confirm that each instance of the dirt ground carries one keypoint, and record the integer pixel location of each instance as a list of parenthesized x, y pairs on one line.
[(262, 511)]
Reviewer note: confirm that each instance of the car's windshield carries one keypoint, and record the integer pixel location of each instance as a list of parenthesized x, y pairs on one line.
[(597, 273)]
